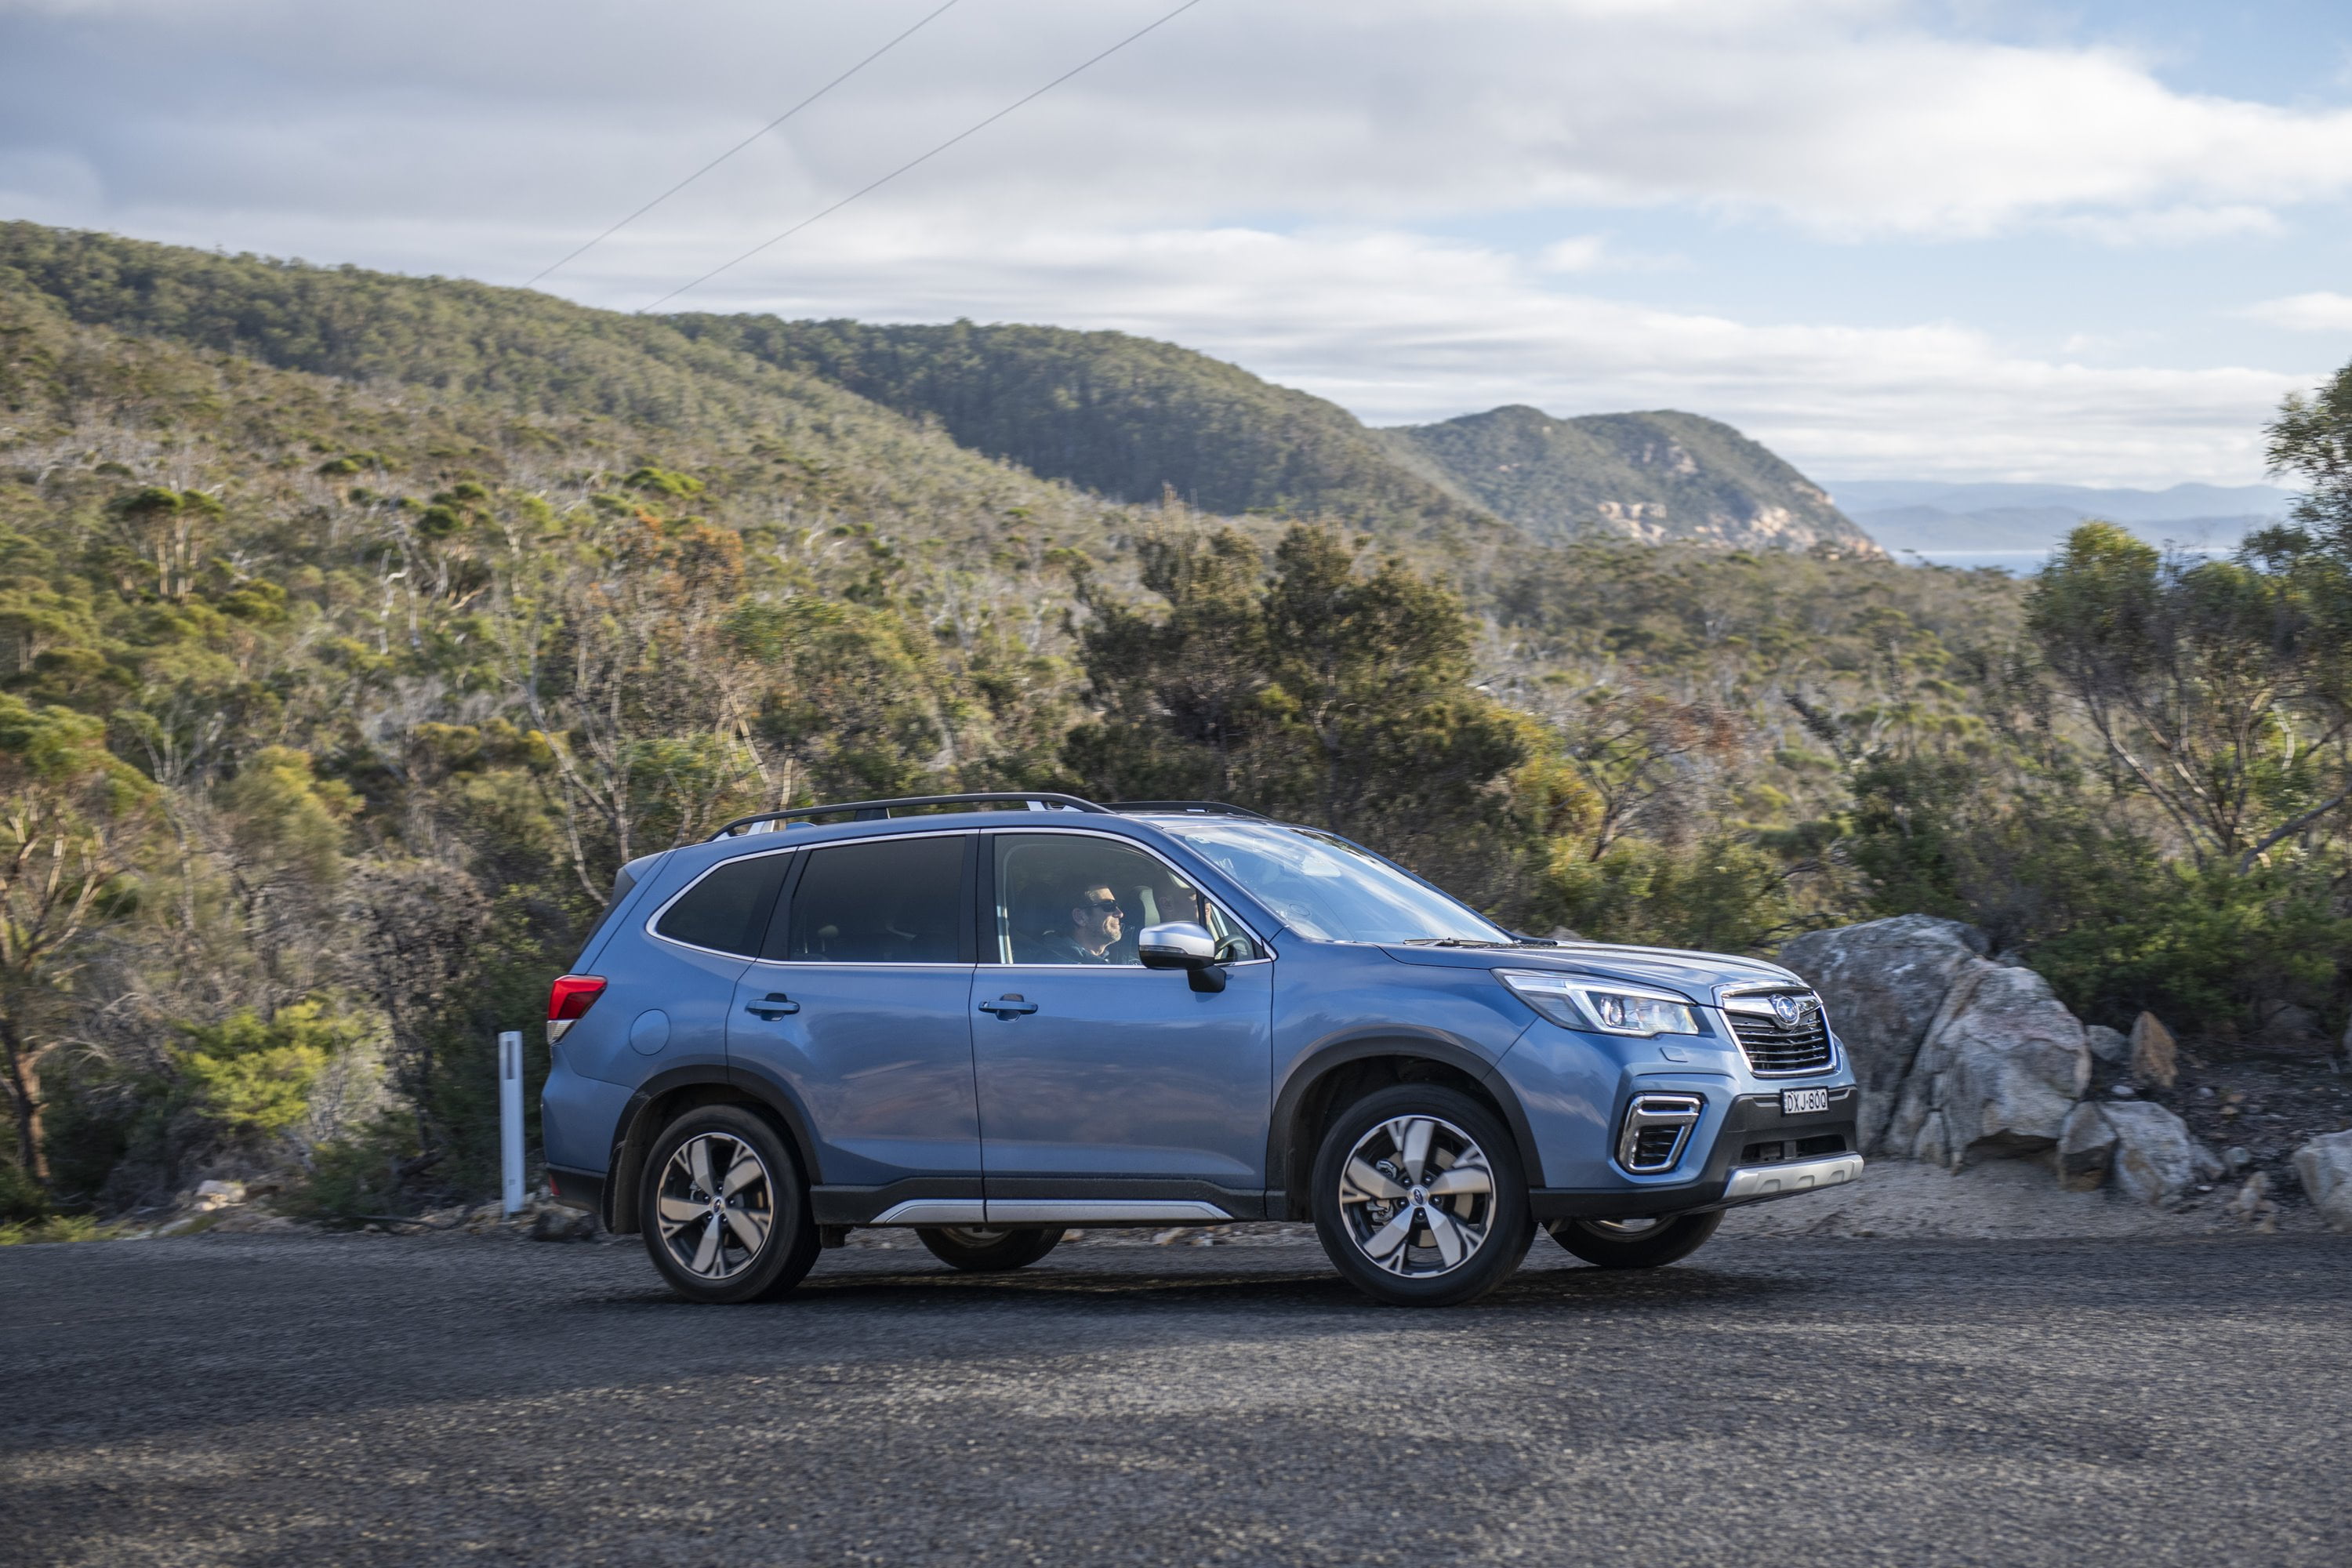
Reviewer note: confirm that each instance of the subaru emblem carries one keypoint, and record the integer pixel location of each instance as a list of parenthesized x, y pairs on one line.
[(1791, 1010)]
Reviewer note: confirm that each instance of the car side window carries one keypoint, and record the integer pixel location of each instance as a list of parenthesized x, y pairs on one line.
[(728, 910), (900, 901), (1069, 898)]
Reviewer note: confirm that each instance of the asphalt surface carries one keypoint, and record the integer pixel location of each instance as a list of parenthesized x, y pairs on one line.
[(365, 1400)]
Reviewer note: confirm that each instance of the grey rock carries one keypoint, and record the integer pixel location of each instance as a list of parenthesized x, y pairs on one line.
[(2155, 1054), (2121, 1091), (2002, 1066), (2237, 1156), (2324, 1165), (553, 1224), (1883, 983), (2156, 1159), (2112, 1047), (2086, 1148)]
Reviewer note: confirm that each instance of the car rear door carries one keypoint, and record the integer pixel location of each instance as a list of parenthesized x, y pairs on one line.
[(1105, 1079), (860, 1006)]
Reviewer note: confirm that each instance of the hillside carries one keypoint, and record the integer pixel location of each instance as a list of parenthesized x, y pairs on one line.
[(1124, 416), (1657, 478)]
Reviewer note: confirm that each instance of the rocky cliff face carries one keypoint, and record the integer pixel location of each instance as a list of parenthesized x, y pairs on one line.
[(1657, 478)]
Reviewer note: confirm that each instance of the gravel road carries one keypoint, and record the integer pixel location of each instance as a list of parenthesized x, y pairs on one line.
[(361, 1400)]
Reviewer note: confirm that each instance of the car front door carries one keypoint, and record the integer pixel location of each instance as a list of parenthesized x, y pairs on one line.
[(860, 1004), (1100, 1079)]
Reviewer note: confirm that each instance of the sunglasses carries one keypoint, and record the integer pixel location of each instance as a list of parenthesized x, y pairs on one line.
[(1104, 906)]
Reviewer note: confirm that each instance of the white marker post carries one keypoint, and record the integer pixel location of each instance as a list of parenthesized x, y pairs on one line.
[(511, 1121)]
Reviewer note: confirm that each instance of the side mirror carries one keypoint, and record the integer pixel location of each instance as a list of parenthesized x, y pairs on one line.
[(1181, 944)]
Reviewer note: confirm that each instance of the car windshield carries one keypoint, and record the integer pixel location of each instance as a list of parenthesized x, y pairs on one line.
[(1327, 888)]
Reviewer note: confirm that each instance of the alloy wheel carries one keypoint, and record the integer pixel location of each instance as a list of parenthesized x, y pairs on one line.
[(716, 1205), (1417, 1197)]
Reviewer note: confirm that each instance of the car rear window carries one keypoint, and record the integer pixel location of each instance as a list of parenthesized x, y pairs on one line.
[(899, 900), (727, 910)]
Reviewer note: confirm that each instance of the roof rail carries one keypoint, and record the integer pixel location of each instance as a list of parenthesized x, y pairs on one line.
[(876, 810), (1199, 808)]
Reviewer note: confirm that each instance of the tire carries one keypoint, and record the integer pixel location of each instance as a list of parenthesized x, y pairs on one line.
[(976, 1250), (703, 1241), (1637, 1244), (1373, 1205)]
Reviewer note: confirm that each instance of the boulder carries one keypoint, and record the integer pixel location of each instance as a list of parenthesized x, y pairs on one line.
[(1883, 983), (1999, 1073), (2112, 1047), (2324, 1165), (2154, 1055), (2156, 1158), (218, 1194), (2086, 1148)]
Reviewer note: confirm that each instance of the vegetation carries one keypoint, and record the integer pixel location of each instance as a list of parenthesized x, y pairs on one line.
[(353, 629)]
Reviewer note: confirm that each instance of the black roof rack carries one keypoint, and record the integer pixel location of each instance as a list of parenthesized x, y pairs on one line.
[(876, 810), (1200, 808)]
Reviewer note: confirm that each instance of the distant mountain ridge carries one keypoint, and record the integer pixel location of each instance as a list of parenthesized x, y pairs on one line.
[(1133, 418), (1656, 476), (1116, 415)]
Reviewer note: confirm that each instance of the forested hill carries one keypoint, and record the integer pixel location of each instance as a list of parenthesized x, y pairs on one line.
[(1133, 418), (1121, 415), (1127, 418), (1653, 477)]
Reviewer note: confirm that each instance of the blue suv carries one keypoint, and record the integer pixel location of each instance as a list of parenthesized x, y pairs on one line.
[(990, 1024)]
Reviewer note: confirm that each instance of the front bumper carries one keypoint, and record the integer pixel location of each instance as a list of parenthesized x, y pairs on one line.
[(1756, 1154)]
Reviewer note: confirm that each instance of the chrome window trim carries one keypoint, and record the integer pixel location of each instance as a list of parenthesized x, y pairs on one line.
[(709, 871), (989, 937)]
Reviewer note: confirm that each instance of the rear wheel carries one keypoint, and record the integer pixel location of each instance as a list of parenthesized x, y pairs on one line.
[(1636, 1243), (977, 1250), (1419, 1198), (724, 1211)]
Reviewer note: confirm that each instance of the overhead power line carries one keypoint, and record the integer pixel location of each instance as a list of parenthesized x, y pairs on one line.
[(747, 141), (914, 163)]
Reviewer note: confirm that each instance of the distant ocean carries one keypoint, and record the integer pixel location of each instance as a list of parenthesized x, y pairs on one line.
[(2017, 562)]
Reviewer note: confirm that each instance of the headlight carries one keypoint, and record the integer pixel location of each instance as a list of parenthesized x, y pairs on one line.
[(1579, 1003)]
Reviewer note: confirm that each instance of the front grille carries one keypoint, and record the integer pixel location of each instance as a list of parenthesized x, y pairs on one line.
[(1774, 1047)]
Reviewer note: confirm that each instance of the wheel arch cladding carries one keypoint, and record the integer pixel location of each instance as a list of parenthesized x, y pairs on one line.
[(1340, 1075), (666, 1096)]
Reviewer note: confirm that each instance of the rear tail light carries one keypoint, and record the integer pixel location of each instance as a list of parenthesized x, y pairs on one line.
[(569, 1001)]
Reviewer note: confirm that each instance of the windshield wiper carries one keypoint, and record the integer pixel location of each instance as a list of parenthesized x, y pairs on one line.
[(1451, 941)]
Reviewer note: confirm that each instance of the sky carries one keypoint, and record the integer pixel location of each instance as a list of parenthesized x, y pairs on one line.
[(1969, 240)]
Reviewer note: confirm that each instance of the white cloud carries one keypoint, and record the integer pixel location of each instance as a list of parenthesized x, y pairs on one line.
[(2317, 312)]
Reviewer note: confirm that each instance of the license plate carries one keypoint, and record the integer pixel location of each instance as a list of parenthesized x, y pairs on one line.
[(1799, 1102)]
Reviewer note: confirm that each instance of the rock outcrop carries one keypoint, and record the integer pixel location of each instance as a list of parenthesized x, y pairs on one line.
[(2001, 1066), (2324, 1165), (1964, 1059), (1883, 982)]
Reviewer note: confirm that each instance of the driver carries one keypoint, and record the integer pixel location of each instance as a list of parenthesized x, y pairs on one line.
[(1096, 923)]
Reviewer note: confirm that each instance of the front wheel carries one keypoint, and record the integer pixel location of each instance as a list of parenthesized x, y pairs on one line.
[(725, 1213), (977, 1250), (1419, 1197), (1636, 1243)]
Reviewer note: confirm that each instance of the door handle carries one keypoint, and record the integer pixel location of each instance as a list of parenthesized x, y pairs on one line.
[(1007, 1007), (771, 1007)]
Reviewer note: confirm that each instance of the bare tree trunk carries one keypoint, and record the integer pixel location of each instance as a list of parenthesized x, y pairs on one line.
[(25, 1090)]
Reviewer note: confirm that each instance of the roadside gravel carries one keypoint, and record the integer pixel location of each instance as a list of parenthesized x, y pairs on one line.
[(287, 1398)]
